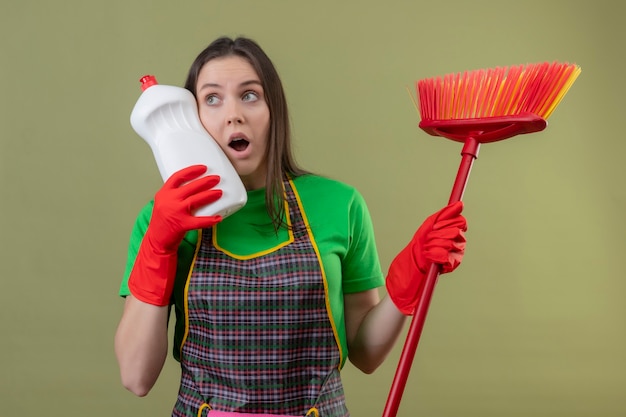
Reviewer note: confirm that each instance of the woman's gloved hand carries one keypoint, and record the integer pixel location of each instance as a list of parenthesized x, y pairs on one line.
[(441, 240), (152, 277)]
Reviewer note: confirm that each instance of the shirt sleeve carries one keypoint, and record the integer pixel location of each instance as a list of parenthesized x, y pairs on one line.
[(361, 269)]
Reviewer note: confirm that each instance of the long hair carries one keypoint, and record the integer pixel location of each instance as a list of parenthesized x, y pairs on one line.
[(279, 156)]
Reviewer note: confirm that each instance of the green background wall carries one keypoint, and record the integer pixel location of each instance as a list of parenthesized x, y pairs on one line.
[(532, 324)]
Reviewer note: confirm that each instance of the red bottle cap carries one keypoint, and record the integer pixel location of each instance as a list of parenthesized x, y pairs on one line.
[(147, 81)]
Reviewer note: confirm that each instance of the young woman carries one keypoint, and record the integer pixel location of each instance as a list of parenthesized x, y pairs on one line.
[(271, 301)]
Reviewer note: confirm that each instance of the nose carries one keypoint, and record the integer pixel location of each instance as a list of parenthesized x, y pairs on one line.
[(234, 114)]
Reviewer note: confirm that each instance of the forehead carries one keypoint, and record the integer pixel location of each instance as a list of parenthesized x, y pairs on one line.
[(227, 70)]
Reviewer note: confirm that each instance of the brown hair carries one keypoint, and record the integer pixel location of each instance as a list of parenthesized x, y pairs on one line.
[(280, 160)]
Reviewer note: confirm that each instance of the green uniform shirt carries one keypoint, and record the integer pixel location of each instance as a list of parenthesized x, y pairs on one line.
[(341, 226)]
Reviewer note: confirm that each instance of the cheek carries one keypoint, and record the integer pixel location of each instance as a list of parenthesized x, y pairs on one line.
[(209, 123), (263, 124)]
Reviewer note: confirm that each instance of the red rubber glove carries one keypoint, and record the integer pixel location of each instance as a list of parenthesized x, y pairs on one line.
[(152, 277), (441, 240)]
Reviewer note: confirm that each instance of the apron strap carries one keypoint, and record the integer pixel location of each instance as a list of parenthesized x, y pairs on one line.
[(202, 407), (312, 412)]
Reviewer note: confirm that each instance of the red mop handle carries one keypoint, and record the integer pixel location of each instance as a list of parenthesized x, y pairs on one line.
[(469, 154)]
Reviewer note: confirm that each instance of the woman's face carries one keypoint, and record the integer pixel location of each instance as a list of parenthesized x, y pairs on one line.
[(232, 108)]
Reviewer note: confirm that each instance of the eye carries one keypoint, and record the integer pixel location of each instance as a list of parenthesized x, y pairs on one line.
[(250, 96), (211, 100)]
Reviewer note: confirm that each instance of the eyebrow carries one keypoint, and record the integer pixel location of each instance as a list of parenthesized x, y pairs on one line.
[(243, 84)]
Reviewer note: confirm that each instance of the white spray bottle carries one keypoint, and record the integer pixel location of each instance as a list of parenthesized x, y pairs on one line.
[(166, 117)]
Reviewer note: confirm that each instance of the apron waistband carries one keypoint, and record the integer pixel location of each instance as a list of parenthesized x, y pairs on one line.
[(215, 413)]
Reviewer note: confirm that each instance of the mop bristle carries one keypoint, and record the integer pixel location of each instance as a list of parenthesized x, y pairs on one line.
[(502, 91)]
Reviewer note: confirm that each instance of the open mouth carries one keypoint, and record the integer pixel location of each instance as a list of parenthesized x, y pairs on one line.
[(239, 144)]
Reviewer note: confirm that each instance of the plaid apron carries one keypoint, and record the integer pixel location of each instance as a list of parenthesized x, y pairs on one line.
[(258, 335)]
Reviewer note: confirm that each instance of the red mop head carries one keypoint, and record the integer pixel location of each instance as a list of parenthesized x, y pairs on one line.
[(493, 104)]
